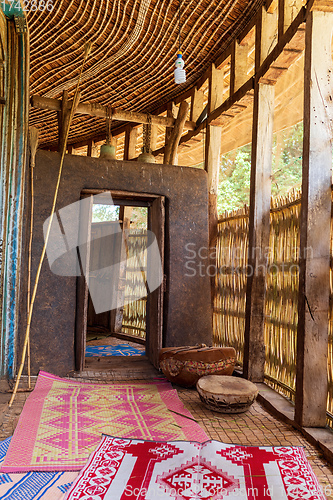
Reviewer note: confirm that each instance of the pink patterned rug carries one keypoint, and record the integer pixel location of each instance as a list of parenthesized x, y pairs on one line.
[(128, 469), (63, 421)]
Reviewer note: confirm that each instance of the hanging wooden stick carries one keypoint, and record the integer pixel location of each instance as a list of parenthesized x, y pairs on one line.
[(170, 150), (27, 333), (33, 134)]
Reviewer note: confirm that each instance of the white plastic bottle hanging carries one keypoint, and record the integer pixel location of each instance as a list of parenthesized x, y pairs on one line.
[(180, 74)]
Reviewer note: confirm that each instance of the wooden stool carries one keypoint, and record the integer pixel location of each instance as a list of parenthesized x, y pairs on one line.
[(226, 394)]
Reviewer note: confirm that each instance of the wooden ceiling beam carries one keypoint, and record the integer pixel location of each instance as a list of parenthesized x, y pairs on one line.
[(271, 6), (100, 111), (243, 97), (321, 5), (293, 38)]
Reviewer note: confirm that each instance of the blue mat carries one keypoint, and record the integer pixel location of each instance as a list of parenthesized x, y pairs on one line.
[(33, 485), (110, 350)]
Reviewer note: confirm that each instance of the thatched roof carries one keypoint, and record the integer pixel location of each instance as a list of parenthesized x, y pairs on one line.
[(132, 59)]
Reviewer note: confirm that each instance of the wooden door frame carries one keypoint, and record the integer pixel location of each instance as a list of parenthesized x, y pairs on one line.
[(154, 313), (155, 299), (82, 286)]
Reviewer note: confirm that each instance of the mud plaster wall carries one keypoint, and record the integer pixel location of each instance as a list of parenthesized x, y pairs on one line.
[(187, 314)]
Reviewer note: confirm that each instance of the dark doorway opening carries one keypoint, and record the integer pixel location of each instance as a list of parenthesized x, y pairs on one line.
[(135, 323), (107, 331)]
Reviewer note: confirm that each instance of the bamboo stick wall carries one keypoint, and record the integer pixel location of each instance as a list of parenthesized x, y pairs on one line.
[(282, 294), (281, 286), (134, 315), (230, 281)]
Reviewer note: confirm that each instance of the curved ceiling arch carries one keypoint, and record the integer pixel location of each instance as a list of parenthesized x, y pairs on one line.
[(134, 49)]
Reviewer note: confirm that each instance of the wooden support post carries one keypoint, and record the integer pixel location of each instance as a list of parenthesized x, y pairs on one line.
[(259, 220), (197, 104), (269, 33), (212, 162), (212, 166), (281, 19), (315, 228), (172, 146), (154, 137), (90, 148), (131, 135), (288, 10), (172, 112), (259, 227), (116, 320), (239, 66), (216, 88), (213, 149)]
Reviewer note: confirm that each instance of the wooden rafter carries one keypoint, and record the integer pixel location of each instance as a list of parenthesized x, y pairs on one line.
[(95, 109)]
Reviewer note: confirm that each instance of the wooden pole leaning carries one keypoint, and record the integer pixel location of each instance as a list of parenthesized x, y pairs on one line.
[(34, 292), (171, 146), (33, 136)]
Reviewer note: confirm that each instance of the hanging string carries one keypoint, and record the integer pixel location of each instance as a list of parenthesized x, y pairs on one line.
[(179, 13)]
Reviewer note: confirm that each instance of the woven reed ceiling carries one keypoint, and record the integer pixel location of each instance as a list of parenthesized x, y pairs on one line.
[(132, 60)]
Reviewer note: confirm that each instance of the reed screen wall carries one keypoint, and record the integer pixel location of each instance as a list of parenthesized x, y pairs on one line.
[(230, 281), (134, 315), (281, 293)]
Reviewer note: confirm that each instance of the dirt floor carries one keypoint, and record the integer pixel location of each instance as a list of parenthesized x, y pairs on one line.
[(255, 427)]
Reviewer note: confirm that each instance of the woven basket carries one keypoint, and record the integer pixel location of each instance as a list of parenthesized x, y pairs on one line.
[(185, 365)]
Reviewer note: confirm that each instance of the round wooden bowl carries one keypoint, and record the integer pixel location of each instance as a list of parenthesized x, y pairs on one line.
[(226, 394), (185, 365)]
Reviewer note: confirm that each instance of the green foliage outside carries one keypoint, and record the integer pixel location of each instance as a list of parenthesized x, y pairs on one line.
[(102, 213), (234, 188), (139, 218), (287, 160)]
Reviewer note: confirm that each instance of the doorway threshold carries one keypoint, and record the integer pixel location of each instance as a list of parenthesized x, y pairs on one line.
[(108, 368)]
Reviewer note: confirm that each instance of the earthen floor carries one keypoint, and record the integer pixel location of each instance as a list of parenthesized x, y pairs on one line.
[(255, 427)]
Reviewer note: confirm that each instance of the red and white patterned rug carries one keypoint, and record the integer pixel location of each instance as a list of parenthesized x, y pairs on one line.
[(128, 469)]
